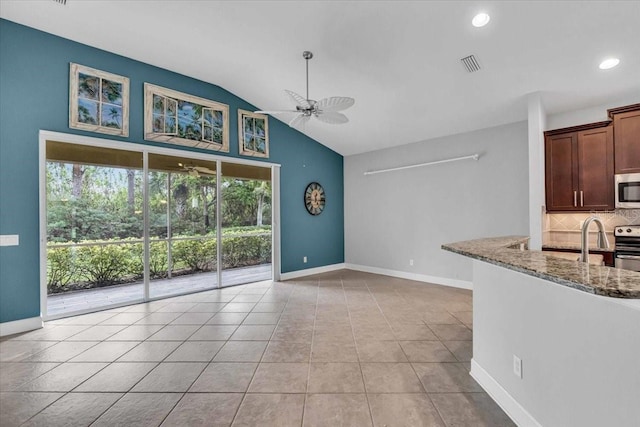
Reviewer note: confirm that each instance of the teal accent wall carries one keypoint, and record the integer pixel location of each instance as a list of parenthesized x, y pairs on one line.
[(34, 96)]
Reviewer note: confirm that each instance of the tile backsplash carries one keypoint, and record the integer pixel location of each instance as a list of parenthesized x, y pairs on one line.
[(566, 227)]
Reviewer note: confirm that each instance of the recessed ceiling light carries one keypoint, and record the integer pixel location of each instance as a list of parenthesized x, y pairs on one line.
[(609, 63), (480, 20)]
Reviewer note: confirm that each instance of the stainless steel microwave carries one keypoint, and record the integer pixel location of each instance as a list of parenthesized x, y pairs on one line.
[(628, 191)]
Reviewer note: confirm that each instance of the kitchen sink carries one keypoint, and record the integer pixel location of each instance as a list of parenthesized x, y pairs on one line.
[(595, 259)]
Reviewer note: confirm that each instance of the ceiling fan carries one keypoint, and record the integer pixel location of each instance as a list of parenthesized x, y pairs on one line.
[(326, 110), (196, 170)]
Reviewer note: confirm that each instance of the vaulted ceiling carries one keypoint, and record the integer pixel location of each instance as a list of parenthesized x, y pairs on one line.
[(399, 60)]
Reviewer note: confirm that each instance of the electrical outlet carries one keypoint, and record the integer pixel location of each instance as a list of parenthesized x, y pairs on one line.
[(517, 366), (304, 259), (410, 262)]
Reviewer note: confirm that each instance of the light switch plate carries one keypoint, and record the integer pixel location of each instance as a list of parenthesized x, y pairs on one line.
[(9, 240), (517, 366)]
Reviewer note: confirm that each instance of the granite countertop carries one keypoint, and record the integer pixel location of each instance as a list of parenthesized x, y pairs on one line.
[(573, 246), (594, 279)]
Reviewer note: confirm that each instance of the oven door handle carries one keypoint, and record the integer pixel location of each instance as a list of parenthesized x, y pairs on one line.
[(628, 257), (628, 248)]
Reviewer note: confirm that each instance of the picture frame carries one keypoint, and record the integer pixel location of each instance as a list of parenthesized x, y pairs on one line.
[(182, 119), (253, 134), (98, 101)]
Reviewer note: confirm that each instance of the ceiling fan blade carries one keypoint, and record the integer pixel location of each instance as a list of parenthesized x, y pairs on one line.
[(204, 170), (335, 103), (332, 117), (299, 121), (298, 99), (276, 111)]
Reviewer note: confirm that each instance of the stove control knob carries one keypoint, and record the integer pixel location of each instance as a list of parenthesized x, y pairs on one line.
[(619, 230), (628, 230)]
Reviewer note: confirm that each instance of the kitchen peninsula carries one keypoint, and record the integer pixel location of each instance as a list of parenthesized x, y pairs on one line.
[(555, 342)]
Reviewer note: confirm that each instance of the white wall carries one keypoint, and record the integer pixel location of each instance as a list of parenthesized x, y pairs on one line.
[(579, 351), (536, 123), (583, 116), (393, 217)]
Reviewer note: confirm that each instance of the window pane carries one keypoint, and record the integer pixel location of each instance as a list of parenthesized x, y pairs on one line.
[(111, 92), (208, 134), (259, 129), (217, 135), (158, 123), (158, 104), (88, 86), (170, 124), (88, 111), (172, 107), (111, 116)]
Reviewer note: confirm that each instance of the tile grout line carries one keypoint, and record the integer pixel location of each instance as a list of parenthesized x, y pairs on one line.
[(410, 363), (244, 395), (355, 344), (313, 333)]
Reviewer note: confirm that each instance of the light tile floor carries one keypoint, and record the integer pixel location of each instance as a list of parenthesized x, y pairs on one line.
[(339, 349)]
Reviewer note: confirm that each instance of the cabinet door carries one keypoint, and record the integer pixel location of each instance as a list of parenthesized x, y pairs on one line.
[(561, 180), (627, 142), (595, 169)]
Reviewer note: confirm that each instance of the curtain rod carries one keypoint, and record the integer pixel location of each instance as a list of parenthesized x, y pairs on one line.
[(474, 157)]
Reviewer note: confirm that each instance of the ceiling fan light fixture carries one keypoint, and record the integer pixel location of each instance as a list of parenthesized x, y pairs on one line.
[(325, 110), (480, 20), (609, 63)]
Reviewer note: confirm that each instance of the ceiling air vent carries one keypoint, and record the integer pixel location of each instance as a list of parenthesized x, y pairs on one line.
[(63, 2), (471, 63)]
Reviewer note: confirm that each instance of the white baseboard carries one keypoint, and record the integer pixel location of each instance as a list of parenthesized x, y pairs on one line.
[(311, 271), (454, 283), (22, 325), (509, 405)]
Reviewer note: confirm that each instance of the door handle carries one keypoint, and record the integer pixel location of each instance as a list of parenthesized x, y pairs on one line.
[(575, 198), (581, 198)]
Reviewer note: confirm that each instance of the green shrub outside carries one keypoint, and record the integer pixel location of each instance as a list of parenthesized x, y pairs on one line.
[(91, 266), (197, 255), (157, 260), (107, 265), (61, 268)]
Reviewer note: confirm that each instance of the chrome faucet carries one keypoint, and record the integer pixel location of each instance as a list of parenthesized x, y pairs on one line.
[(603, 242)]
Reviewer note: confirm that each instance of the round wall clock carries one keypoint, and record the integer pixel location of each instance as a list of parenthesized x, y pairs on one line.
[(314, 198)]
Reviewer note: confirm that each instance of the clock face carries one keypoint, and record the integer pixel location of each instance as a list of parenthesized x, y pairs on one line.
[(314, 198)]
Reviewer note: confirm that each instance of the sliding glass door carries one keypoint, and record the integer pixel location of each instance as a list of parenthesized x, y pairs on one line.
[(182, 225), (246, 224), (94, 227), (126, 226)]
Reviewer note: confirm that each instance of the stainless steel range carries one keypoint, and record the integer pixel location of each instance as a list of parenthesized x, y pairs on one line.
[(628, 247)]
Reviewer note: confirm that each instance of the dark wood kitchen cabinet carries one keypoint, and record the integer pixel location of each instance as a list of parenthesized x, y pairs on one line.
[(579, 168), (626, 124)]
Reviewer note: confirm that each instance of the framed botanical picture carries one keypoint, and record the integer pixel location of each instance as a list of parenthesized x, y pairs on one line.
[(98, 101), (178, 118), (253, 134)]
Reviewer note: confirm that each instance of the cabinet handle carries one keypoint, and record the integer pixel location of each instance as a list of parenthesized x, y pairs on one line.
[(628, 257), (575, 198), (581, 198)]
